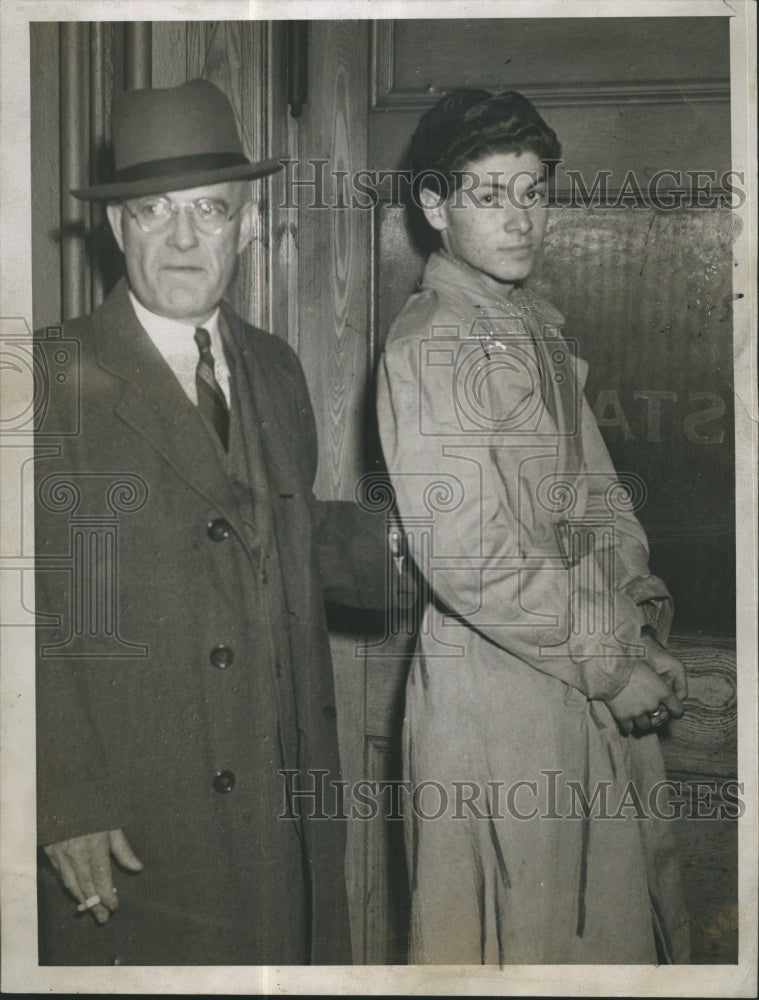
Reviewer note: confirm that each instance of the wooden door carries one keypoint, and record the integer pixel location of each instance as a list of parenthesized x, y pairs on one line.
[(336, 344)]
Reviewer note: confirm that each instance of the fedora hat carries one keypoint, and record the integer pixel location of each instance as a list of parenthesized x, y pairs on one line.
[(173, 139)]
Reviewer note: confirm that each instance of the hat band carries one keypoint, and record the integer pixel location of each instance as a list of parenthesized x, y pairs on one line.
[(154, 169)]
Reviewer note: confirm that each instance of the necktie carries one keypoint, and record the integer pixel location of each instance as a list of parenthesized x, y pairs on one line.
[(211, 399)]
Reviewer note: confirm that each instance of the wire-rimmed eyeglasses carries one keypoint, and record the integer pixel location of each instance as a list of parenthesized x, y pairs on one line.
[(209, 215)]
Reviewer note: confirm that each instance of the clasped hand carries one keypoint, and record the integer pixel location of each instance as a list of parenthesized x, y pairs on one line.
[(656, 683)]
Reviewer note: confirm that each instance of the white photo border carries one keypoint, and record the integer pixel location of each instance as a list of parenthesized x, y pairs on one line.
[(20, 971)]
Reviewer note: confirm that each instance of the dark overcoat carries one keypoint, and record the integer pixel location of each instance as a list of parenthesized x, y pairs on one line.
[(190, 661)]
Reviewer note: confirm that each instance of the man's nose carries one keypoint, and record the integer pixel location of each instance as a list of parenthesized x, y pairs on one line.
[(182, 230), (518, 219)]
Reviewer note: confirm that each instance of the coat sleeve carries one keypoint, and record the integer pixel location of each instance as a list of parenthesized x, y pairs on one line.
[(494, 557), (633, 578), (352, 555), (350, 543), (75, 793)]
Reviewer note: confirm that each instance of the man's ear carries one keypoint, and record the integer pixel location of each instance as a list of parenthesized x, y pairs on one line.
[(245, 235), (115, 215), (434, 208), (247, 226)]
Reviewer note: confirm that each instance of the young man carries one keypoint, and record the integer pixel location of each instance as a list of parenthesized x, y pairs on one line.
[(191, 663), (539, 676)]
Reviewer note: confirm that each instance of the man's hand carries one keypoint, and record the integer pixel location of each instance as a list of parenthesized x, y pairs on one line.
[(84, 865), (667, 666), (645, 693)]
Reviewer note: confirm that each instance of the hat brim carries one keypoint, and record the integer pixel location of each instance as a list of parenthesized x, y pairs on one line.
[(177, 182)]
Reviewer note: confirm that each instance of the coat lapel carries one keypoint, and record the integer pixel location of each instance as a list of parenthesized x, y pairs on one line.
[(276, 461), (154, 404)]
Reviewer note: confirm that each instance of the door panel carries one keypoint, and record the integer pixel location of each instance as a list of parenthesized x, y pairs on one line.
[(598, 81)]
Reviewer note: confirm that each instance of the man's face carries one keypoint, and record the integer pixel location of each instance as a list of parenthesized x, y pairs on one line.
[(496, 222), (180, 271)]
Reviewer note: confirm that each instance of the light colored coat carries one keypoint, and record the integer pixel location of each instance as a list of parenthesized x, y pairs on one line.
[(539, 586)]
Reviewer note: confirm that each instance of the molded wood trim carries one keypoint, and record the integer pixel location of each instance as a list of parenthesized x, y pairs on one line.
[(385, 96)]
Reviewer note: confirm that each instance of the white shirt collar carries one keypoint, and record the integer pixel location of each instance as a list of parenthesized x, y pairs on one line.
[(162, 329), (176, 342)]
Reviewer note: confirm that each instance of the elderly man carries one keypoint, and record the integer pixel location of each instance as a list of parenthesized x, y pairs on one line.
[(166, 715)]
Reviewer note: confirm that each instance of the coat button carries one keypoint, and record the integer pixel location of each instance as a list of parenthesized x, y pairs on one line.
[(222, 656), (224, 781), (219, 529)]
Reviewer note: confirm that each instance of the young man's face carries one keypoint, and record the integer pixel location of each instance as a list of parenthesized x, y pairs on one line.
[(496, 222), (180, 271)]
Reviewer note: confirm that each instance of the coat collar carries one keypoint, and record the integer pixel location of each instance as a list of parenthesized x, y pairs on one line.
[(462, 285), (451, 277), (155, 405)]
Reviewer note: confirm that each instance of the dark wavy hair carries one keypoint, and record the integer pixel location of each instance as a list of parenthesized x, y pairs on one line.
[(468, 125), (464, 126)]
